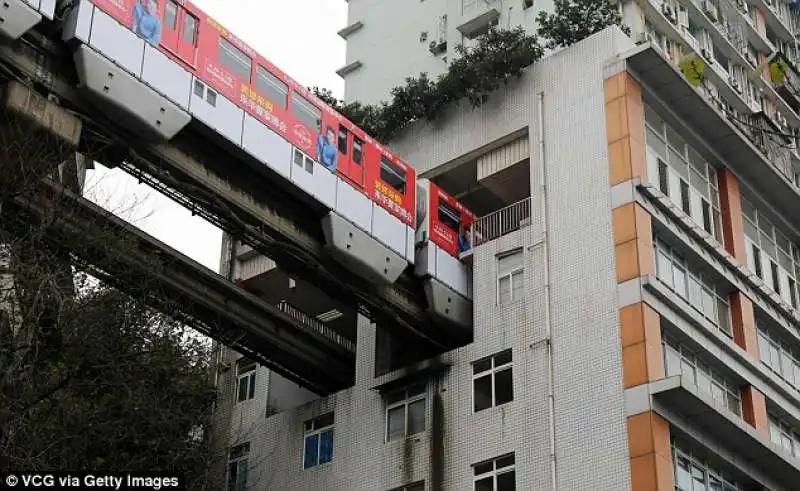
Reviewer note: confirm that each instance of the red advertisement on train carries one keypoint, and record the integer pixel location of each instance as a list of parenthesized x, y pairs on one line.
[(449, 222), (231, 67)]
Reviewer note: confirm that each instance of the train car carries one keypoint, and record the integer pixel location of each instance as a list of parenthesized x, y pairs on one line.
[(19, 16), (443, 234), (165, 62)]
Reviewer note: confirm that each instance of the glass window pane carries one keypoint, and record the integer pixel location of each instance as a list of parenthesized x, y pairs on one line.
[(306, 112), (242, 389), (171, 16), (311, 451), (483, 392), (683, 478), (416, 417), (695, 293), (396, 424), (509, 262), (680, 281), (703, 381), (485, 484), (234, 59), (504, 387), (506, 481), (189, 29), (272, 88), (664, 269), (326, 446)]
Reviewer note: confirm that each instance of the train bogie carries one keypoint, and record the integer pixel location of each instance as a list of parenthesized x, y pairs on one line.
[(110, 63), (19, 16), (359, 250)]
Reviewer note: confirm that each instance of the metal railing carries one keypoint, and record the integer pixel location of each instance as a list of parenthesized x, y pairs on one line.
[(315, 325), (501, 222)]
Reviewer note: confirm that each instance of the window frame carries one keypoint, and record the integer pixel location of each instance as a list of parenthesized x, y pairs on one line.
[(492, 372), (318, 431), (509, 274), (246, 373), (409, 398), (387, 166), (496, 471), (236, 53), (238, 455), (270, 80), (298, 101), (682, 454), (447, 209)]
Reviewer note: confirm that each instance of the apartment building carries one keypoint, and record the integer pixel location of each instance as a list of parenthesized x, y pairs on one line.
[(635, 296)]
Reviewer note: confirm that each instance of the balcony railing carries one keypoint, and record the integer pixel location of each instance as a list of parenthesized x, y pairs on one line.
[(315, 325), (501, 222)]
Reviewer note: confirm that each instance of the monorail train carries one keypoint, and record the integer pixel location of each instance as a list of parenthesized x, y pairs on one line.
[(165, 62)]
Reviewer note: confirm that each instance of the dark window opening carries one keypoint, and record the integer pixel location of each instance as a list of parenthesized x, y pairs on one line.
[(685, 198), (449, 216), (393, 175), (757, 262), (234, 59), (343, 133), (663, 179), (358, 150), (190, 29), (171, 16), (776, 281)]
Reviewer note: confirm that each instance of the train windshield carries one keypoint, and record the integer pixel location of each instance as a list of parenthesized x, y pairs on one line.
[(393, 175), (449, 216)]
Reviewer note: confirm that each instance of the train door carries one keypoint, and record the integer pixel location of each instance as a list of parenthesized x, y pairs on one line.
[(179, 34), (351, 156)]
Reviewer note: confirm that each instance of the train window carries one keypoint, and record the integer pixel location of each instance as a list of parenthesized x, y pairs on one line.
[(303, 161), (199, 88), (393, 175), (211, 97), (306, 112), (190, 29), (358, 150), (449, 216), (171, 16), (234, 59), (272, 87), (343, 139)]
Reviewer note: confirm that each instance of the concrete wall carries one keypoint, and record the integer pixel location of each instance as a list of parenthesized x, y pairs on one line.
[(389, 47), (590, 426)]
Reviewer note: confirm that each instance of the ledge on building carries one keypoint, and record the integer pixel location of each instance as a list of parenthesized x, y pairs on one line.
[(349, 68), (408, 375), (683, 397), (477, 24), (666, 83), (345, 32)]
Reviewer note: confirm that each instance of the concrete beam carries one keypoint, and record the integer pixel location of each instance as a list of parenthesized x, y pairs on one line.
[(36, 136), (124, 255)]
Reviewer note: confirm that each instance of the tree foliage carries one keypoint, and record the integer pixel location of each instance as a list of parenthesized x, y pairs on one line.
[(574, 20), (499, 56), (91, 378)]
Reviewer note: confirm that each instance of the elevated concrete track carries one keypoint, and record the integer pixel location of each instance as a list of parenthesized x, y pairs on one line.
[(280, 338)]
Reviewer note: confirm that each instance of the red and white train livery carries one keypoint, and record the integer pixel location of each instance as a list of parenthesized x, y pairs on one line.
[(165, 62)]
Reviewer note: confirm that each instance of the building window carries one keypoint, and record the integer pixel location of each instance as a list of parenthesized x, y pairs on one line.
[(783, 435), (683, 174), (318, 441), (235, 60), (693, 473), (695, 287), (495, 475), (237, 467), (405, 412), (510, 269), (770, 254), (779, 356), (246, 380), (680, 360), (492, 382), (417, 486)]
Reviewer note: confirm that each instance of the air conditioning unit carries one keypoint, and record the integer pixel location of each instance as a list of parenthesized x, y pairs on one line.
[(683, 17), (642, 37)]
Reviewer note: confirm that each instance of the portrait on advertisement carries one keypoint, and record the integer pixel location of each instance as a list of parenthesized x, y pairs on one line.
[(146, 22), (326, 148)]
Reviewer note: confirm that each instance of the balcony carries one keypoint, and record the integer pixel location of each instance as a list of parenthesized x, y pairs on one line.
[(786, 80), (501, 222), (477, 17)]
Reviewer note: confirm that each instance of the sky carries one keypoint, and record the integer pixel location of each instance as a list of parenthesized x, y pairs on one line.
[(289, 33)]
